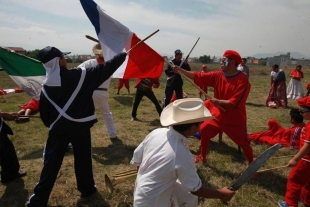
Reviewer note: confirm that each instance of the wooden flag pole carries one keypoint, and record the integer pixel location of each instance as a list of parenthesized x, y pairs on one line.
[(193, 84), (95, 40), (275, 168), (91, 38), (142, 41), (281, 157), (29, 116)]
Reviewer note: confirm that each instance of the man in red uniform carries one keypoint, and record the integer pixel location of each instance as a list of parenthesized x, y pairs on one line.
[(204, 88), (231, 90), (120, 84), (298, 183)]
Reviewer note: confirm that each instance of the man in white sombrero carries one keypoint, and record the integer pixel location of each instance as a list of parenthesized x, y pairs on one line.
[(101, 94), (167, 175)]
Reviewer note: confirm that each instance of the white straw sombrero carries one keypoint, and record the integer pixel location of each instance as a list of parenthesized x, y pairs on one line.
[(185, 111)]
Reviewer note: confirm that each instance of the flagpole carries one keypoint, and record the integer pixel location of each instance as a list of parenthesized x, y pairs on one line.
[(142, 41), (95, 40), (30, 116), (193, 84), (190, 52), (274, 168), (92, 38)]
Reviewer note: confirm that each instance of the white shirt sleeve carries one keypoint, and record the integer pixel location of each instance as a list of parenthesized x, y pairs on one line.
[(187, 173), (138, 155)]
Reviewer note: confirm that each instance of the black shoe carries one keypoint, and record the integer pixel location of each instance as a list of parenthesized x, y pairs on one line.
[(115, 139), (88, 194), (19, 174)]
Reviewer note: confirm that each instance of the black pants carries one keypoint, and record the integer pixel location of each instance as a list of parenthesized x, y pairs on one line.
[(169, 92), (139, 96), (8, 158), (55, 149)]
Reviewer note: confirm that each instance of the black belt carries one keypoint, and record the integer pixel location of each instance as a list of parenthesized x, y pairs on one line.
[(101, 89)]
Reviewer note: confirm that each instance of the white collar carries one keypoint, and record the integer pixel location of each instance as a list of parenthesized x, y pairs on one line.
[(52, 73)]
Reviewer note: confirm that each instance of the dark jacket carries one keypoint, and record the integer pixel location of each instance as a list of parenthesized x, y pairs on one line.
[(175, 79), (153, 83), (82, 106), (281, 77)]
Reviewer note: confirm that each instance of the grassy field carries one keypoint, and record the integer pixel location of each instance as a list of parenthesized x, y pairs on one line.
[(224, 162)]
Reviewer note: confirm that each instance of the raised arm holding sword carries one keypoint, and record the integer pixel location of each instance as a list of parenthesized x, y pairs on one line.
[(231, 89)]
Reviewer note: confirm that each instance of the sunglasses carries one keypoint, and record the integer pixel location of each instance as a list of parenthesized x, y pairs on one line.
[(304, 111)]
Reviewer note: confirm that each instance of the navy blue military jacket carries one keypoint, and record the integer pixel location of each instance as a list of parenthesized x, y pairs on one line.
[(82, 106), (175, 79)]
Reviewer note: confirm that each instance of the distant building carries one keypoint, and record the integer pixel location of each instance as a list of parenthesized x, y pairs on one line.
[(18, 50), (193, 60), (281, 60), (303, 62)]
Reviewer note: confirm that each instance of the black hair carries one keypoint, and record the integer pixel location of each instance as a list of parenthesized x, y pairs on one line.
[(295, 114), (275, 66), (299, 66), (184, 127), (244, 59)]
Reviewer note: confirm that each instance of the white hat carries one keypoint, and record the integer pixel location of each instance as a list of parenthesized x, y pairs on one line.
[(185, 111)]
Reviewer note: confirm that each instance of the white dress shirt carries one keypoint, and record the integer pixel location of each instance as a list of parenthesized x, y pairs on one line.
[(163, 159)]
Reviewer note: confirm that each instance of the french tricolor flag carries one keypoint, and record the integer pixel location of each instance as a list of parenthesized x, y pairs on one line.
[(114, 37)]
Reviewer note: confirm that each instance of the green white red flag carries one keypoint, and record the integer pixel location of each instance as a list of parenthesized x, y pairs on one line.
[(26, 72)]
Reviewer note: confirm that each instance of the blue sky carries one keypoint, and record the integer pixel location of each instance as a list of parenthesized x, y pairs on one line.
[(250, 27)]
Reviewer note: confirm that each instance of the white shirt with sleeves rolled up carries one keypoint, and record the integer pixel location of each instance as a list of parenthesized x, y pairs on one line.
[(164, 161)]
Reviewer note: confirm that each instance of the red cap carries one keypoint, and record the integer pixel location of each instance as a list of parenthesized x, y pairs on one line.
[(234, 55), (304, 102)]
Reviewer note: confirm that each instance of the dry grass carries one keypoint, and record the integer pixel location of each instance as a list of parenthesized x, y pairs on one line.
[(224, 162)]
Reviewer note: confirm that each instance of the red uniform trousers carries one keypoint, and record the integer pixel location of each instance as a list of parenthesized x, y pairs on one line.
[(121, 82), (298, 184), (238, 134)]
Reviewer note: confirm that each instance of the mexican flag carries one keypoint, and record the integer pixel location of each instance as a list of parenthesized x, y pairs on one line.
[(26, 72)]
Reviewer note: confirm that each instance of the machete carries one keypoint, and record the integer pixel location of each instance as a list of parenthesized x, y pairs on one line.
[(253, 167)]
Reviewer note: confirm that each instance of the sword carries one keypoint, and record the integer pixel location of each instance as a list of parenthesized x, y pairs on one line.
[(189, 52), (253, 167)]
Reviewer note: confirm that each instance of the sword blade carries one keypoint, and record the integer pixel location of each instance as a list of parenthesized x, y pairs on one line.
[(254, 166)]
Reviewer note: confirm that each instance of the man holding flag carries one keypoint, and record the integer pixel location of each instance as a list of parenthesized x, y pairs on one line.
[(115, 37), (64, 93)]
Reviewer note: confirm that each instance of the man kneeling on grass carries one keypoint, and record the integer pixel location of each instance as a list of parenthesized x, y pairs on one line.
[(167, 175)]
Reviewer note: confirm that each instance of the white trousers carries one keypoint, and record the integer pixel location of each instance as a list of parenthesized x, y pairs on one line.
[(101, 102)]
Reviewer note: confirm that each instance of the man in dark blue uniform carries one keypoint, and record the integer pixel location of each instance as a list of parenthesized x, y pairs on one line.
[(8, 158), (67, 109), (174, 81)]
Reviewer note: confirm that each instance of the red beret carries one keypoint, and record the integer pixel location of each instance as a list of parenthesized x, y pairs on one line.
[(304, 102), (234, 55)]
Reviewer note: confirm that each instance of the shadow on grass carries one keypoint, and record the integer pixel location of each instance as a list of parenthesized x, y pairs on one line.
[(255, 104), (156, 123), (264, 105), (270, 181), (223, 148), (113, 154), (124, 100), (15, 194), (95, 200), (39, 154)]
